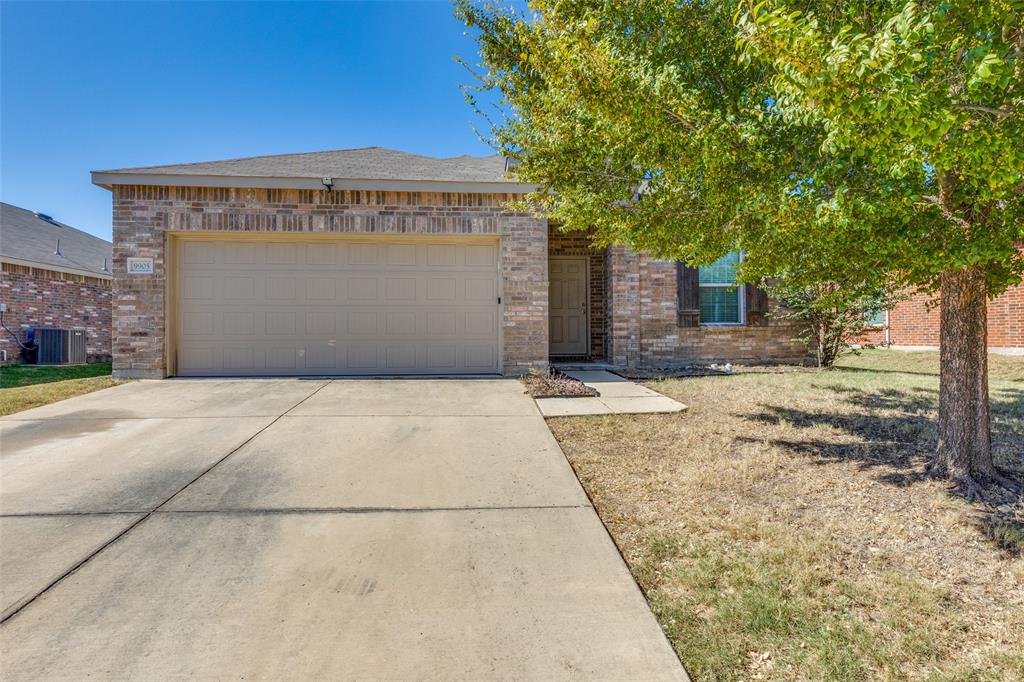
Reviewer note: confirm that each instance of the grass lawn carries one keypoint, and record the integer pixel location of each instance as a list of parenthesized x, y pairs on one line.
[(782, 528), (26, 386)]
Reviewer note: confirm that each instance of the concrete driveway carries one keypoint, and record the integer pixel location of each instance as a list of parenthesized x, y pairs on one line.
[(294, 529)]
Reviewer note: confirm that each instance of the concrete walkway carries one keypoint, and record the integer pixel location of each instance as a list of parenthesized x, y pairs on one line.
[(617, 396), (300, 530)]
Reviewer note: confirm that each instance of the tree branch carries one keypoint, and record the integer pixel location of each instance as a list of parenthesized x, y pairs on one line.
[(1001, 113)]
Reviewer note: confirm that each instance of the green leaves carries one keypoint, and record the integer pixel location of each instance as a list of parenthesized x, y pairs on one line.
[(883, 140)]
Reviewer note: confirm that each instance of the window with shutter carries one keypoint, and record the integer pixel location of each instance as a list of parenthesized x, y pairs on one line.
[(720, 298)]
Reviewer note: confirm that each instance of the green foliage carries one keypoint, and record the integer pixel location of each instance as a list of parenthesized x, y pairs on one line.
[(832, 313), (880, 140)]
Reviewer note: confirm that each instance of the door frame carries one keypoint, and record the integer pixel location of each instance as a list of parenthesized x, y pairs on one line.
[(586, 297)]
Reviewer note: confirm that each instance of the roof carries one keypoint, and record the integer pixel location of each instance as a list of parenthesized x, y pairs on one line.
[(370, 168), (28, 238)]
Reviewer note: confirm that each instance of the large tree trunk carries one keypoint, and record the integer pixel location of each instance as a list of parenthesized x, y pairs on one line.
[(965, 442)]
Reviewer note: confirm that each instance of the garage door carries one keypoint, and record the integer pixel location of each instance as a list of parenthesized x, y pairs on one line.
[(345, 306)]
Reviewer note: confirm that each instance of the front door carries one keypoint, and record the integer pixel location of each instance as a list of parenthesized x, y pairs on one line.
[(567, 301)]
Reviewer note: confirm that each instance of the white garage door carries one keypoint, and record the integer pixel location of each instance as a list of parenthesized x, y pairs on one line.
[(344, 306)]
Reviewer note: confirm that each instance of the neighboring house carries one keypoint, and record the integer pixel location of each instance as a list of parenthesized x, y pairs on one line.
[(53, 276), (913, 323), (373, 261)]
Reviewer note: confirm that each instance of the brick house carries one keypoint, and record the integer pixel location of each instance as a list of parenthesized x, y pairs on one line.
[(913, 323), (52, 275), (374, 261)]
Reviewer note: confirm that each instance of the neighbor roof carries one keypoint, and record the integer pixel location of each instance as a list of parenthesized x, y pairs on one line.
[(29, 238), (368, 168)]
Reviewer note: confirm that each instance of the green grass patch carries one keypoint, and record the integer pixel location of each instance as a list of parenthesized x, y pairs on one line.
[(28, 375), (23, 387)]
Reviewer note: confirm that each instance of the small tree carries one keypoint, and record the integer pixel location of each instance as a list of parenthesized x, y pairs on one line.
[(831, 315)]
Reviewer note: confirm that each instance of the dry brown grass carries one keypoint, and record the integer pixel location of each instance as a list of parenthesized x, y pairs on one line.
[(14, 400), (782, 528)]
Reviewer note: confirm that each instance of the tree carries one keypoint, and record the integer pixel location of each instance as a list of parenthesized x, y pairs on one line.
[(870, 141), (832, 314)]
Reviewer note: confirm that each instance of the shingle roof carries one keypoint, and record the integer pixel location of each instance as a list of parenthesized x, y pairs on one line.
[(27, 238), (367, 163)]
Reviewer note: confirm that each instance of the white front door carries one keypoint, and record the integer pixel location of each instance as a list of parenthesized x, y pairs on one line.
[(567, 301)]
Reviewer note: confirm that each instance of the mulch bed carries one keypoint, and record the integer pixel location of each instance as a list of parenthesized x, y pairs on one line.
[(555, 384), (706, 371)]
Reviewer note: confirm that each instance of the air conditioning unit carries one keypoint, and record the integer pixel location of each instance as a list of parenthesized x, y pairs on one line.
[(76, 347), (58, 346)]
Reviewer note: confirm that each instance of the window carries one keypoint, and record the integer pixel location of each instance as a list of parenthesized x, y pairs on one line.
[(721, 299), (875, 318)]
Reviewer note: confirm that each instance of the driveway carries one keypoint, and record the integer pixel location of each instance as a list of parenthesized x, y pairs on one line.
[(294, 529)]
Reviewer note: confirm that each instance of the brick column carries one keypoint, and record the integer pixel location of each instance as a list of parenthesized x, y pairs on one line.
[(623, 284), (524, 257), (138, 326)]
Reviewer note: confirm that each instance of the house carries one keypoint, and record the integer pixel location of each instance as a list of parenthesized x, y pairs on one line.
[(913, 323), (374, 261), (53, 275)]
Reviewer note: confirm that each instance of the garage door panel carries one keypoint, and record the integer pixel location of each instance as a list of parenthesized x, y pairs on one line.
[(400, 323), (282, 358), (484, 256), (480, 323), (362, 253), (320, 323), (280, 288), (322, 357), (198, 359), (480, 356), (239, 288), (197, 288), (362, 289), (400, 255), (239, 254), (321, 288), (338, 307), (282, 254), (281, 322), (400, 289), (198, 253), (198, 324), (362, 322), (321, 254), (239, 357), (239, 323)]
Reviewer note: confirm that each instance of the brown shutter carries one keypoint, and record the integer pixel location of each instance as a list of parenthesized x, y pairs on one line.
[(688, 288), (757, 304)]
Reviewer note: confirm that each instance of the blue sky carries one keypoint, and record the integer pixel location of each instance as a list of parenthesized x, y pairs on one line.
[(86, 86)]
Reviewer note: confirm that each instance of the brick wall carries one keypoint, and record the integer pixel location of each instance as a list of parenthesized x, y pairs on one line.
[(914, 321), (142, 216), (642, 307), (578, 244), (45, 298)]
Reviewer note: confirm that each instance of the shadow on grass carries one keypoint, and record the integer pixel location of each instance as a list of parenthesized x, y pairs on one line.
[(895, 430), (875, 370)]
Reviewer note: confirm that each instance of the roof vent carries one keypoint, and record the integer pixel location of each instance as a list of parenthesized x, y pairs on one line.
[(49, 219), (56, 252), (510, 163), (105, 267)]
